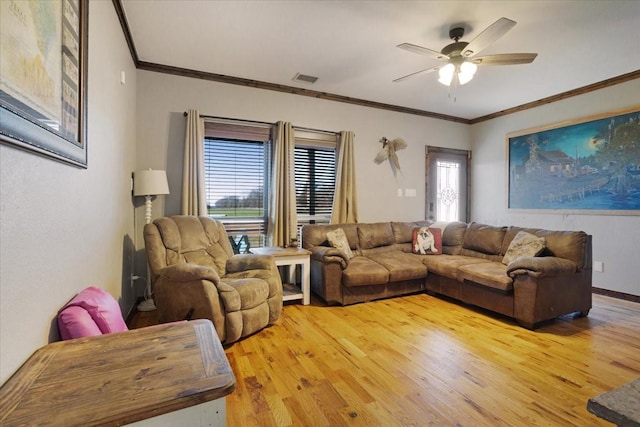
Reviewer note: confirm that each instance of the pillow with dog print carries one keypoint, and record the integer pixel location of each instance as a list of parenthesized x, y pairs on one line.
[(524, 245), (338, 239), (427, 241)]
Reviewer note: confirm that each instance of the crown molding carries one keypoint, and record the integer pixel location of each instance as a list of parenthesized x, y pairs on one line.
[(564, 95), (202, 75)]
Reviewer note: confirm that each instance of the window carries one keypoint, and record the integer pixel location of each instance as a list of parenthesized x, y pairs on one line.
[(447, 190), (315, 176), (237, 159)]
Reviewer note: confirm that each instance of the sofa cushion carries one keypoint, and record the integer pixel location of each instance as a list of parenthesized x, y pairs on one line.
[(374, 235), (427, 241), (448, 266), (252, 291), (363, 271), (524, 245), (452, 236), (338, 239), (482, 238), (316, 234), (401, 265), (490, 274), (403, 231), (571, 245)]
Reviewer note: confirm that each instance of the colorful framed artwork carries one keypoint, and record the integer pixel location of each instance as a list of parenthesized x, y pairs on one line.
[(586, 166), (43, 69)]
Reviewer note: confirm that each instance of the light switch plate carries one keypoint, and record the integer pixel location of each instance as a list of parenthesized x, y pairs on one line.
[(598, 266)]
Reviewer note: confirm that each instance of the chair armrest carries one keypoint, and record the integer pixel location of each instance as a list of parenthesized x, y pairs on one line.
[(258, 266), (243, 262), (329, 254), (188, 273), (541, 267)]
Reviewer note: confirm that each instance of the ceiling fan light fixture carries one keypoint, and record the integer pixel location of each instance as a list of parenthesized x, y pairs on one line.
[(446, 74), (461, 55), (467, 70)]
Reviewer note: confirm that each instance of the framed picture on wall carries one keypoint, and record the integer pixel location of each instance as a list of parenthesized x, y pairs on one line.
[(43, 68), (587, 166)]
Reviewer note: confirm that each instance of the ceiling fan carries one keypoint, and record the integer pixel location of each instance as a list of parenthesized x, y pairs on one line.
[(461, 62)]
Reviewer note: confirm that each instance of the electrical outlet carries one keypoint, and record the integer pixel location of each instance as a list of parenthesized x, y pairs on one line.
[(598, 266), (399, 192), (133, 279)]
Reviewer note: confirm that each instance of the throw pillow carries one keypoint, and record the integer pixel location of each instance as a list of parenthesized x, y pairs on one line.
[(427, 241), (92, 312), (524, 245), (338, 239)]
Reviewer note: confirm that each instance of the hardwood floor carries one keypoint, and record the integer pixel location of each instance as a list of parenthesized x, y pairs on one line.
[(421, 360)]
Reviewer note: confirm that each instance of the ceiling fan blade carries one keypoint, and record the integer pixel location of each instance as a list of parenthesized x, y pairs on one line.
[(505, 59), (423, 51), (490, 34), (425, 71)]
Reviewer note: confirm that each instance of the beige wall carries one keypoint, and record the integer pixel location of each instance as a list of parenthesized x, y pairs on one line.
[(615, 237), (65, 228), (162, 99)]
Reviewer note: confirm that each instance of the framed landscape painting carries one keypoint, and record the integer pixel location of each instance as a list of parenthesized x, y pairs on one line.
[(588, 166), (43, 61)]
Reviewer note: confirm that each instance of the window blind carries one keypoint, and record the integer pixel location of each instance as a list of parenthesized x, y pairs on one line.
[(315, 177), (236, 183)]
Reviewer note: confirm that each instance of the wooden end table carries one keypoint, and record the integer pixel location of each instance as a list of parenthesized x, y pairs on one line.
[(166, 374), (290, 257), (620, 406)]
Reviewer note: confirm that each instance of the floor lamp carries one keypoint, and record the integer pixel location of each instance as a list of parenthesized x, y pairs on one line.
[(149, 183)]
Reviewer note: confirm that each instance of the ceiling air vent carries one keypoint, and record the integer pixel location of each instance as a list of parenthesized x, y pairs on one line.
[(304, 78)]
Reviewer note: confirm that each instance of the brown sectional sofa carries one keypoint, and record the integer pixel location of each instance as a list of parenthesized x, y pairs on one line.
[(470, 269)]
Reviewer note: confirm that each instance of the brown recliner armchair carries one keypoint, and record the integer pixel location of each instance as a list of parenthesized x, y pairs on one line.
[(197, 276)]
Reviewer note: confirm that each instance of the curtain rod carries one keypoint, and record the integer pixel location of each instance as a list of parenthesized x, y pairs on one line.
[(266, 123), (329, 132), (232, 119)]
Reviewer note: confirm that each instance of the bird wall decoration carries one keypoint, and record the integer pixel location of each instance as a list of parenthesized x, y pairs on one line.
[(388, 151)]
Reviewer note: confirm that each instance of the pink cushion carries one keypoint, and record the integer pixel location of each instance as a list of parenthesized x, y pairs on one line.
[(91, 305), (76, 322)]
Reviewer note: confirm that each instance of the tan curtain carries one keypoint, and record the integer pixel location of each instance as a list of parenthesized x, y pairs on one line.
[(194, 199), (345, 209), (283, 220)]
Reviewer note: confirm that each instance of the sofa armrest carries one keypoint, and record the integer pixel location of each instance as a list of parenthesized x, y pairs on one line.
[(243, 262), (327, 254), (188, 273), (541, 267)]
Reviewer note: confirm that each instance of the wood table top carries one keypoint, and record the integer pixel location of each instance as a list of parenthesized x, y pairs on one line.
[(118, 378), (278, 251), (620, 406)]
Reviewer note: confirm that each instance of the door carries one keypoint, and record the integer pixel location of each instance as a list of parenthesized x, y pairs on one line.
[(447, 184)]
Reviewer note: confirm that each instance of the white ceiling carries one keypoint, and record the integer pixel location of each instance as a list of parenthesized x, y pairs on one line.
[(351, 46)]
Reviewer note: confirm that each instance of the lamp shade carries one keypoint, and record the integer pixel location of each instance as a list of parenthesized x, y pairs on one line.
[(150, 183), (467, 70), (446, 74)]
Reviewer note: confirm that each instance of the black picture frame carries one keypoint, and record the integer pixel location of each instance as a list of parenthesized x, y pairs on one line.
[(43, 107)]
